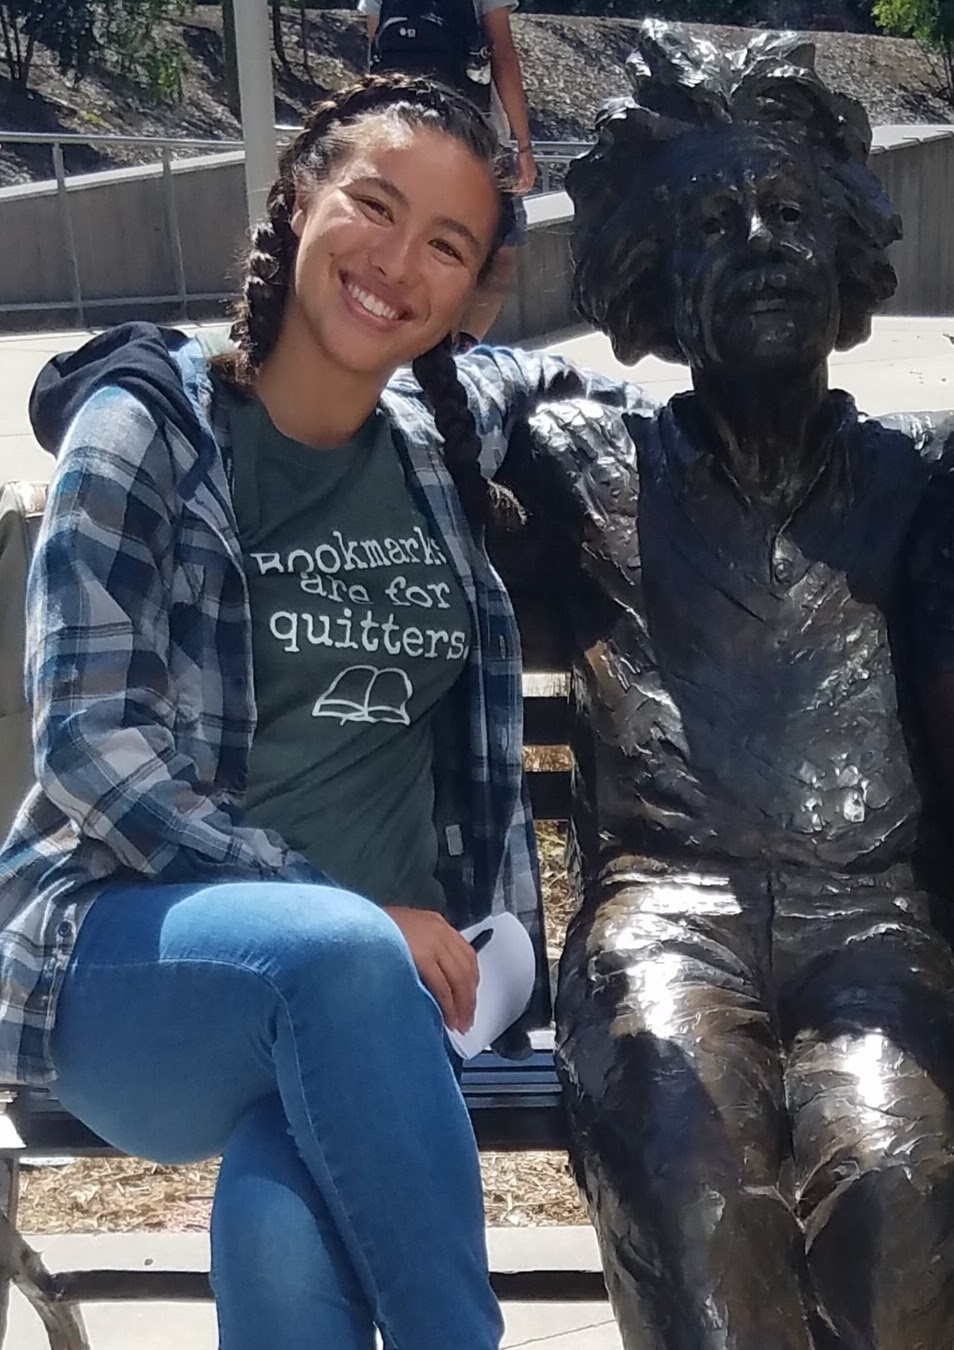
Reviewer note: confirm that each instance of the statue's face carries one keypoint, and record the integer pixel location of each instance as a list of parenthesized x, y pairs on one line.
[(752, 259)]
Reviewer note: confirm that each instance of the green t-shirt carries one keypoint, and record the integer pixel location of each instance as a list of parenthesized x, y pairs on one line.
[(359, 626)]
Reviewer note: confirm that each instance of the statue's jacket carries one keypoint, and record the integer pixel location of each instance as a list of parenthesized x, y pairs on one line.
[(744, 687)]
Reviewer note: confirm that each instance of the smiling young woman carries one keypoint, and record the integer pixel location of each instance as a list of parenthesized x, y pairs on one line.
[(276, 706), (387, 214), (392, 216)]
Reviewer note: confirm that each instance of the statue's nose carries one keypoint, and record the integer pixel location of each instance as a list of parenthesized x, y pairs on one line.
[(759, 233)]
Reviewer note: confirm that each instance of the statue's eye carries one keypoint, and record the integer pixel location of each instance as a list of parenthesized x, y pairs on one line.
[(789, 213), (713, 225)]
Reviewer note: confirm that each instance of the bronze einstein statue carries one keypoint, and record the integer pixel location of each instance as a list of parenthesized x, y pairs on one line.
[(755, 1016)]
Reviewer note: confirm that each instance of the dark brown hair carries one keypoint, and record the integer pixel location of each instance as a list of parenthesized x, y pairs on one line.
[(415, 104)]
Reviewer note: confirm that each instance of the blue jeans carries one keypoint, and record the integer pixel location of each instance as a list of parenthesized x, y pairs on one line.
[(284, 1026)]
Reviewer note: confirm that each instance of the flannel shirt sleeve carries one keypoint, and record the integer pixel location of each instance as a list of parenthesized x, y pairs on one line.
[(505, 387), (103, 701), (544, 425)]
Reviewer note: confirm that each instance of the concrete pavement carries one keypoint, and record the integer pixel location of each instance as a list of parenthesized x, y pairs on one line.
[(908, 363), (185, 1326)]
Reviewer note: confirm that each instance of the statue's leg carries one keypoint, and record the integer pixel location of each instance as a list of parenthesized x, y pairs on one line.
[(870, 1079), (673, 1077)]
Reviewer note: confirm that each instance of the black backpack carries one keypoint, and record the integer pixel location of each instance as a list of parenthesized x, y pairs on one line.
[(441, 38)]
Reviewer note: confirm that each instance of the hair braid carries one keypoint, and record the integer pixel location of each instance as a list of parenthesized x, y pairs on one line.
[(268, 268), (485, 503), (269, 262)]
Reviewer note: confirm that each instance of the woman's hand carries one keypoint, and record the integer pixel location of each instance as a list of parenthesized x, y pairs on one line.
[(446, 962)]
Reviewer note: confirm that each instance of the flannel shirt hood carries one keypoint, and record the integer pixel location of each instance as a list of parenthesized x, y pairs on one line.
[(137, 357)]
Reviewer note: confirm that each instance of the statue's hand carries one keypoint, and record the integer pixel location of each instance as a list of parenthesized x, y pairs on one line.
[(446, 962)]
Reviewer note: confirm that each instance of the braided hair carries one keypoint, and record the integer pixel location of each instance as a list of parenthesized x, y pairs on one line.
[(417, 104)]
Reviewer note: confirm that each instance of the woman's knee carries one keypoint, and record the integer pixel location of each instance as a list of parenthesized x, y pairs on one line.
[(337, 941), (282, 929)]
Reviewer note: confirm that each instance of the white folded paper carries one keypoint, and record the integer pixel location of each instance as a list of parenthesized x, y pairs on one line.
[(507, 970)]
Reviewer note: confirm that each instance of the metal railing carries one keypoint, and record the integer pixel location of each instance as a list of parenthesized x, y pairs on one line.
[(552, 158), (168, 148)]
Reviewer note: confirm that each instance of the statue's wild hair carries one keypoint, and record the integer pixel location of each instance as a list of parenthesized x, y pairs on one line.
[(682, 84)]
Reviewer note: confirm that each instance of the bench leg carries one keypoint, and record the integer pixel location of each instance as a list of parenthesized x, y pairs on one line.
[(20, 1265), (9, 1200)]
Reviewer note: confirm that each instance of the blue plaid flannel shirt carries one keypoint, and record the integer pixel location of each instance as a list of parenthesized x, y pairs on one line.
[(143, 717)]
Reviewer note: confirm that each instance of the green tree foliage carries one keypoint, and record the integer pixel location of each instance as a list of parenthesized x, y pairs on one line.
[(124, 35), (701, 11), (930, 22), (278, 37), (133, 44), (66, 27)]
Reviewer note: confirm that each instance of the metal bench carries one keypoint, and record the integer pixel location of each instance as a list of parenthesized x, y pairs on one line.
[(514, 1105)]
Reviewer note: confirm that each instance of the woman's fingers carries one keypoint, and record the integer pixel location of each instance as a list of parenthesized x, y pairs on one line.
[(458, 963), (446, 962), (435, 981)]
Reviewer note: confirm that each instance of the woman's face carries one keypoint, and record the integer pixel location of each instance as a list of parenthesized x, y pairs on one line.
[(390, 247)]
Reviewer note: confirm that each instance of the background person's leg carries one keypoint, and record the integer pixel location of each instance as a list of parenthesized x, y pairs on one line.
[(184, 1008), (868, 1013), (679, 1136), (279, 1270), (482, 312), (488, 301)]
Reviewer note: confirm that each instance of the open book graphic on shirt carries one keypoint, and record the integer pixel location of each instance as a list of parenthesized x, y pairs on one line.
[(366, 694)]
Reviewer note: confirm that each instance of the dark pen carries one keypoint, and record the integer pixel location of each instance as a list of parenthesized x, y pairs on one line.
[(480, 940)]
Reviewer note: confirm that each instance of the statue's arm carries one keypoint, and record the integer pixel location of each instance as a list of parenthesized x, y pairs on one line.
[(572, 462), (929, 612), (564, 442), (531, 407), (937, 708), (558, 437)]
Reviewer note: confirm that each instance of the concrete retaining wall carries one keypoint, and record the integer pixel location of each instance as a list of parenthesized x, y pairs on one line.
[(916, 166), (123, 243)]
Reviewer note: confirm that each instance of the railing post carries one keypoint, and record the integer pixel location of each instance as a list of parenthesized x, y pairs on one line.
[(66, 224), (172, 220), (257, 101)]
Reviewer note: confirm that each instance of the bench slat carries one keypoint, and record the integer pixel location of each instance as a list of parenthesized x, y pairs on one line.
[(546, 721), (549, 793), (513, 1105), (503, 1125), (189, 1286)]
